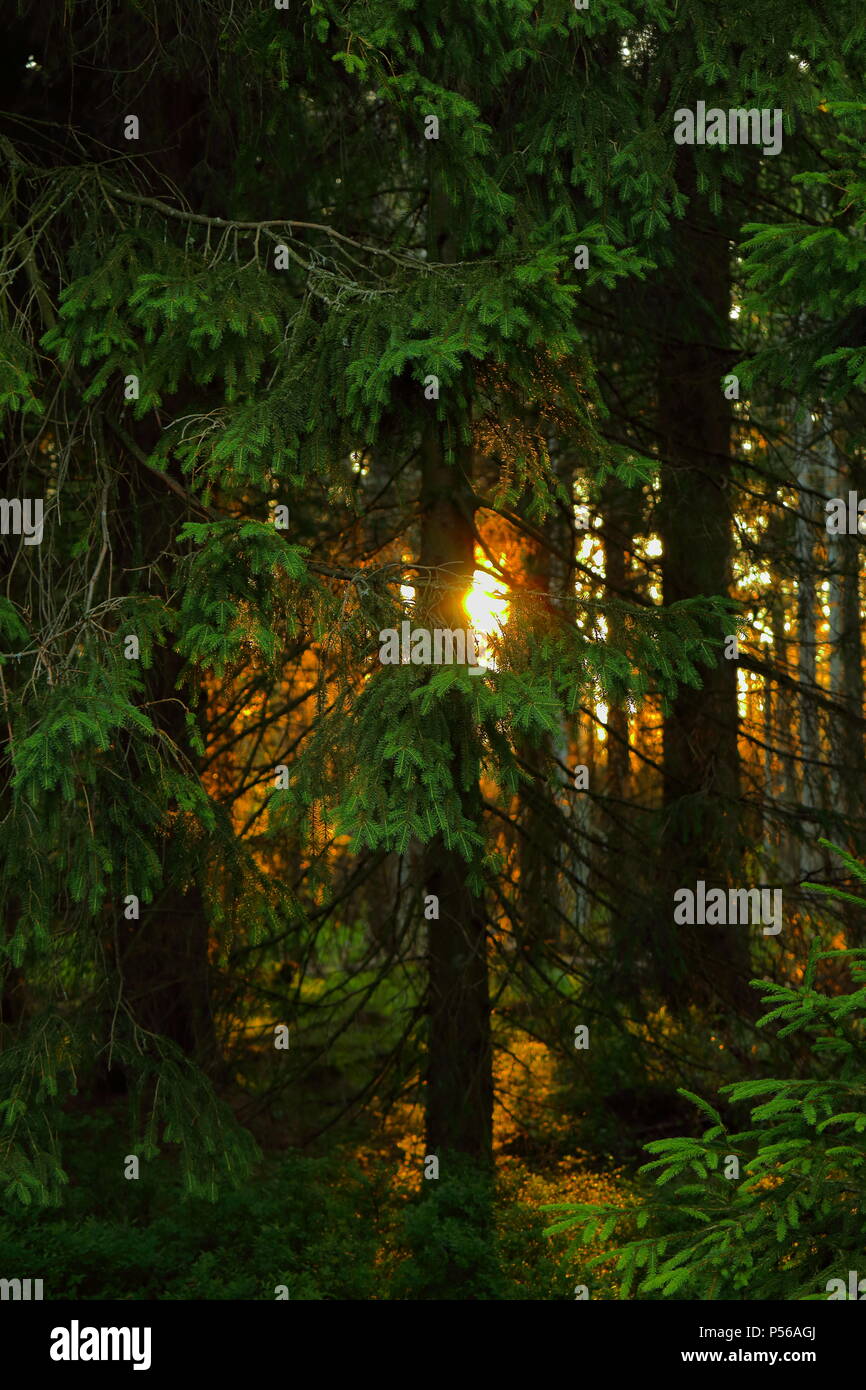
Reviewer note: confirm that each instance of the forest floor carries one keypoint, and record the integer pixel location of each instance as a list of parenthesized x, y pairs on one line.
[(348, 1217)]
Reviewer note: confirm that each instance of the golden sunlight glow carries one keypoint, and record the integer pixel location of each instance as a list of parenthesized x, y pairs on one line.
[(486, 605), (602, 713)]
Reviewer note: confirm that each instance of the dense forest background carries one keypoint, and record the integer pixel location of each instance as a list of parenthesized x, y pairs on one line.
[(323, 977)]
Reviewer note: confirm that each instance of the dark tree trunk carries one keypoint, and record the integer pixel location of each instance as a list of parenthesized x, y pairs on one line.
[(459, 1061), (701, 833), (164, 955), (459, 1066), (622, 884), (166, 975), (541, 804)]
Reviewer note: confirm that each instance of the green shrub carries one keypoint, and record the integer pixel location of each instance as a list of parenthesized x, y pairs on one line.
[(304, 1222), (787, 1215), (450, 1232)]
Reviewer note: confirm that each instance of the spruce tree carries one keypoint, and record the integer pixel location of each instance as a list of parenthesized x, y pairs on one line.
[(203, 324)]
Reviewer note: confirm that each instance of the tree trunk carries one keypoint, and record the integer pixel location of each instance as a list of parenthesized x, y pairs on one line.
[(788, 852), (622, 881), (164, 955), (807, 637), (846, 648), (459, 1066), (700, 835), (848, 770), (459, 1062), (546, 570)]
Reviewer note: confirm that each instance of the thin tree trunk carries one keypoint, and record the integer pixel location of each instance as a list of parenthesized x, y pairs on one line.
[(846, 647), (622, 882), (788, 853), (848, 771), (809, 730), (546, 568)]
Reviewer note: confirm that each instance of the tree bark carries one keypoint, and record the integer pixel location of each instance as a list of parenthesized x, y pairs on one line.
[(459, 1106), (807, 650), (459, 1065), (164, 955), (700, 834)]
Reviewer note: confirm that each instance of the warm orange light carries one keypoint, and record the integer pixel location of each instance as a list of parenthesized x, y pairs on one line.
[(486, 606)]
